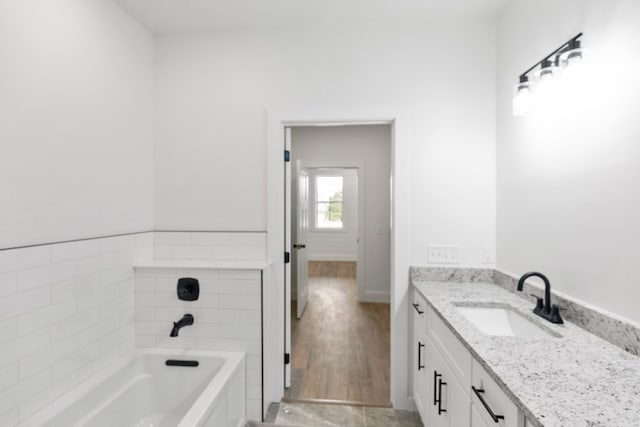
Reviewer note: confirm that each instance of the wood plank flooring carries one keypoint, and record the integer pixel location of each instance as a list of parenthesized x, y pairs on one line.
[(340, 347)]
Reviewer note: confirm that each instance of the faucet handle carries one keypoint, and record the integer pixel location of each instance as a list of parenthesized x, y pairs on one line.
[(539, 302), (555, 315)]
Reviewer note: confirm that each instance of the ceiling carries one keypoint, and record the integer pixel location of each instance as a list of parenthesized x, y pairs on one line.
[(163, 16)]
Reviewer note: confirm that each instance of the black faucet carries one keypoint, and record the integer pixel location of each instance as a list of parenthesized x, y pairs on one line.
[(548, 312), (186, 320)]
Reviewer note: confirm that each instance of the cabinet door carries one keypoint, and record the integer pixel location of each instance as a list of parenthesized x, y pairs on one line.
[(476, 419), (451, 404), (419, 359), (419, 370)]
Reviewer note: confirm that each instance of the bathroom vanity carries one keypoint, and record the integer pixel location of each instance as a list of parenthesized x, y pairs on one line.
[(480, 357)]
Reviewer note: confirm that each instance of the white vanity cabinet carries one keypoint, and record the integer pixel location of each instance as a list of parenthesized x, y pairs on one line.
[(449, 364), (450, 388)]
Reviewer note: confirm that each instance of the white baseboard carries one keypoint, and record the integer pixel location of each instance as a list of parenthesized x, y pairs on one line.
[(376, 296), (332, 257)]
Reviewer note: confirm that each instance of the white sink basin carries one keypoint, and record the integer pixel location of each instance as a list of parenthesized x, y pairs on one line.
[(503, 321)]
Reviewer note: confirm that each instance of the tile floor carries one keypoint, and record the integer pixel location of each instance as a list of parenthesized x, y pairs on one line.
[(321, 415)]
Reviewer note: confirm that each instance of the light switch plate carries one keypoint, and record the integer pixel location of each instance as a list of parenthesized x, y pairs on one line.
[(443, 254)]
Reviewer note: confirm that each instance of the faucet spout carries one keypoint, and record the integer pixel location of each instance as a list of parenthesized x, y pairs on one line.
[(187, 320), (548, 311), (547, 288)]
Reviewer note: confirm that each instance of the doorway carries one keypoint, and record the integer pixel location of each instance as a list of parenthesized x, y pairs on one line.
[(340, 348), (275, 331)]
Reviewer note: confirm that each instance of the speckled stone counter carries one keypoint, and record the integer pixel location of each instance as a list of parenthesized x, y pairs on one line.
[(576, 379)]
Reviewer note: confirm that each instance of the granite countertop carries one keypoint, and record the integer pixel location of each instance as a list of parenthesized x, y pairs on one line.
[(576, 379)]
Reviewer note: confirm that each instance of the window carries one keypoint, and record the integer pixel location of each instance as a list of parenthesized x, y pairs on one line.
[(329, 201)]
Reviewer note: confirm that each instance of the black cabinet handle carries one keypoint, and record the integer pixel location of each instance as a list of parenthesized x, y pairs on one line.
[(440, 384), (494, 417), (299, 246), (420, 345), (436, 375), (417, 307)]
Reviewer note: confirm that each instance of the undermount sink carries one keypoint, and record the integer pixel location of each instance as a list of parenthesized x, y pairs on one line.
[(503, 321)]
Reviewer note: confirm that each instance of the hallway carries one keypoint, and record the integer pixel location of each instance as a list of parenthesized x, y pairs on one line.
[(340, 347)]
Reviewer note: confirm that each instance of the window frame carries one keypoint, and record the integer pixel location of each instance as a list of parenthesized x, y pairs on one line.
[(329, 174)]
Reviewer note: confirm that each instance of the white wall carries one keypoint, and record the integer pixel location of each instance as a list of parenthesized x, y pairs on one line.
[(213, 89), (76, 101), (368, 146), (568, 179), (76, 150)]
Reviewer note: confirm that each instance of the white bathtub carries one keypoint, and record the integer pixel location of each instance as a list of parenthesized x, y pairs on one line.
[(144, 392)]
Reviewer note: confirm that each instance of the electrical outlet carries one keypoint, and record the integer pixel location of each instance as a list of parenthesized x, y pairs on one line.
[(443, 254), (488, 255)]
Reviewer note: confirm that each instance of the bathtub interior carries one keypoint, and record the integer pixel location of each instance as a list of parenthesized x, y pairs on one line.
[(145, 392)]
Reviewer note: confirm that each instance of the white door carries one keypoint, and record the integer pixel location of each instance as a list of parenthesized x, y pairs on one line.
[(300, 246)]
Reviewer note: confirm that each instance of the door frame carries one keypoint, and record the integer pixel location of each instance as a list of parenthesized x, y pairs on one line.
[(277, 121)]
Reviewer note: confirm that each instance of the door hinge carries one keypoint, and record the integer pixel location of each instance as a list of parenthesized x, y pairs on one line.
[(287, 155), (287, 358), (287, 257)]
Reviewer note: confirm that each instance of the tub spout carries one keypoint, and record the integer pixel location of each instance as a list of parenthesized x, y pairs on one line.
[(186, 320)]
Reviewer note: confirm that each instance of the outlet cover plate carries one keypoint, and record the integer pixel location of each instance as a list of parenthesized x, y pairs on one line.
[(443, 254)]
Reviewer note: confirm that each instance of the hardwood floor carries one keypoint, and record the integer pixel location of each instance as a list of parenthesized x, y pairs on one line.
[(340, 347)]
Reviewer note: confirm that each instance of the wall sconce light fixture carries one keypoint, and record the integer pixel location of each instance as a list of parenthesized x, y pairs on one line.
[(567, 59)]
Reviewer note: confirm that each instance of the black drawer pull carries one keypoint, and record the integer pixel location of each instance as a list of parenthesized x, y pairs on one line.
[(186, 363), (440, 384), (417, 307), (494, 417), (436, 375), (420, 345)]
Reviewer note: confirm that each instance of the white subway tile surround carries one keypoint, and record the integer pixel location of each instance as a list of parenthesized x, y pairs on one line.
[(227, 316), (66, 311), (210, 245)]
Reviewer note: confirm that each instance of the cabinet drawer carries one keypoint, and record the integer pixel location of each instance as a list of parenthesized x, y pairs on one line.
[(495, 400), (456, 354), (420, 310)]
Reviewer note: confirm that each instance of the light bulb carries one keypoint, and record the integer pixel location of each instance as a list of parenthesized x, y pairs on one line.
[(574, 66), (546, 85), (547, 90), (522, 97)]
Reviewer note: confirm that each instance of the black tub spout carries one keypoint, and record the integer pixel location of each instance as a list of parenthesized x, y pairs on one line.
[(187, 320)]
